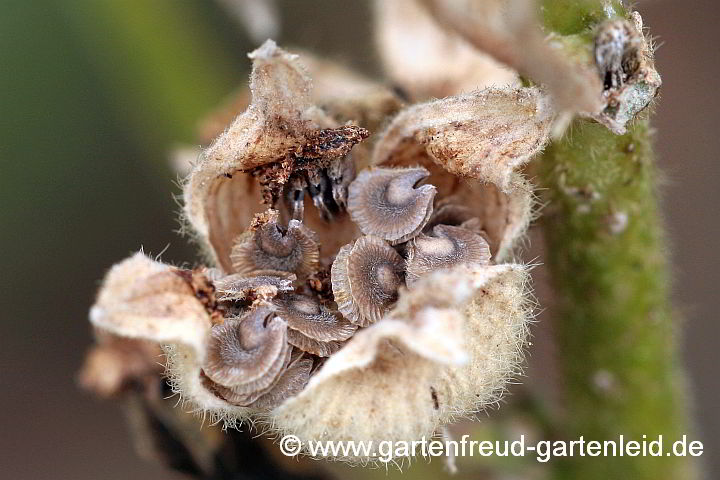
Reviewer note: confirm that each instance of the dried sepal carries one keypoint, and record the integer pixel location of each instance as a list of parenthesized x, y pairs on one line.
[(269, 246), (483, 135), (387, 202), (247, 353), (496, 333), (393, 380), (280, 127), (366, 276), (448, 246), (448, 65), (145, 299)]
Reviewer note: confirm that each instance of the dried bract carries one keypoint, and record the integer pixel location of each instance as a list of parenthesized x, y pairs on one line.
[(280, 132), (142, 298)]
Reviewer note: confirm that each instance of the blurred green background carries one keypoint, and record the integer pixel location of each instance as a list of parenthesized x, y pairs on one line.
[(93, 96)]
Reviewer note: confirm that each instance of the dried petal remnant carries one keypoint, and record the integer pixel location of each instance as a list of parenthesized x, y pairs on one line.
[(272, 247), (142, 298), (366, 276), (447, 247), (385, 202)]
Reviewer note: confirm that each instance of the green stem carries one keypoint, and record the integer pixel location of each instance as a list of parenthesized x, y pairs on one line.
[(615, 328)]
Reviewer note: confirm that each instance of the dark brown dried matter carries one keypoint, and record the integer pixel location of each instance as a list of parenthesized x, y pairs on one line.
[(447, 247), (386, 202), (248, 352), (366, 276), (331, 142), (269, 246), (204, 291)]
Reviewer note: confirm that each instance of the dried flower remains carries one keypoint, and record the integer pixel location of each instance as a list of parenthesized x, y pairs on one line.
[(359, 288)]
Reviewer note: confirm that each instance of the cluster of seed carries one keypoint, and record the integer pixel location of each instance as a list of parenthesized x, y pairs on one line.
[(280, 319)]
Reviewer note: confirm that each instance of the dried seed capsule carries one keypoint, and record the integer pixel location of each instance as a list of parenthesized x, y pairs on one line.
[(365, 277), (385, 202), (448, 246), (247, 353), (271, 247), (245, 394)]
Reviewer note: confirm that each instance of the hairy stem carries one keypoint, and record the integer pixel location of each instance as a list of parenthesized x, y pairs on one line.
[(615, 328)]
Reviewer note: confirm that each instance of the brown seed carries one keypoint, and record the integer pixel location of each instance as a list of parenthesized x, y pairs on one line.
[(248, 352), (448, 246), (272, 247), (305, 315), (366, 276), (385, 202)]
